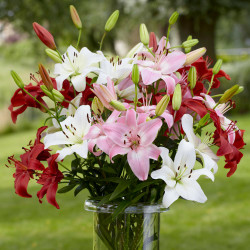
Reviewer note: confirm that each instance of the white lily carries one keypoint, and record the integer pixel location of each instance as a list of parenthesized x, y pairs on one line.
[(179, 175), (73, 131), (202, 149), (117, 70), (77, 65)]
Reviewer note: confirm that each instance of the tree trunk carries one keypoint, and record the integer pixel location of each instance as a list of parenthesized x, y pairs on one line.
[(202, 28)]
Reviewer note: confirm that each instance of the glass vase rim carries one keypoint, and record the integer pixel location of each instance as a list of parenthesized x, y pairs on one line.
[(137, 208)]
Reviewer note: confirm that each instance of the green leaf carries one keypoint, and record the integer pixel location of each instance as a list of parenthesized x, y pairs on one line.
[(108, 169), (105, 199), (75, 164), (66, 188), (143, 185), (124, 204), (119, 189), (79, 189)]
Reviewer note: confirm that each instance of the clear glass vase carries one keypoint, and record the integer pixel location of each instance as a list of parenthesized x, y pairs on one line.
[(138, 227)]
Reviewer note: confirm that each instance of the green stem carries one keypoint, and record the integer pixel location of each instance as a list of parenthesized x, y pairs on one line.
[(101, 43), (136, 97), (38, 101), (167, 38), (59, 54), (211, 83), (152, 53), (219, 95), (79, 38)]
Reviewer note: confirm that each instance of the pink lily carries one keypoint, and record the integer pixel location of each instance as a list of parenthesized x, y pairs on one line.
[(133, 136), (161, 66), (97, 136), (106, 94)]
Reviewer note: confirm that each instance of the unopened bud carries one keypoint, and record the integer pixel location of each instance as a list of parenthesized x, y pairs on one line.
[(190, 43), (54, 95), (144, 36), (53, 55), (241, 89), (97, 106), (57, 95), (178, 75), (193, 56), (162, 105), (177, 97), (117, 105), (17, 79), (45, 77), (192, 77), (228, 94), (110, 24), (173, 18), (203, 120), (45, 36), (217, 67), (152, 41), (135, 74), (187, 50), (75, 17)]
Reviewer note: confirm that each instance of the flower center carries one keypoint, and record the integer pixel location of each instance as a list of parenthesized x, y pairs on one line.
[(132, 139)]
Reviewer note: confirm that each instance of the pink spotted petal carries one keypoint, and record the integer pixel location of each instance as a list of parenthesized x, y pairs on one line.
[(138, 160), (148, 131), (172, 62), (131, 118), (117, 150), (149, 75)]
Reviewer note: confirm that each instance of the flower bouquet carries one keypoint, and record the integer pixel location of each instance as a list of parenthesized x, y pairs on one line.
[(136, 132)]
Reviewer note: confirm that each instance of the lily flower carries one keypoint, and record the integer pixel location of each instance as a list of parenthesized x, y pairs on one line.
[(134, 136), (77, 65), (220, 110), (161, 65), (116, 69), (179, 175), (106, 94), (73, 131), (201, 147)]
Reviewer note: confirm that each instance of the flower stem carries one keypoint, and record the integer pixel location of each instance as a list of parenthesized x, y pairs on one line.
[(101, 43), (210, 84), (79, 38)]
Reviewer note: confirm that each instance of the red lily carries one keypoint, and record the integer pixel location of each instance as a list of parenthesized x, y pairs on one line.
[(204, 73), (21, 101), (50, 178), (231, 152), (29, 164)]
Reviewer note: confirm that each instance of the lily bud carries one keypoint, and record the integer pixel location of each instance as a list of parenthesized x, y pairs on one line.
[(58, 96), (162, 105), (97, 106), (228, 94), (177, 98), (75, 17), (217, 67), (190, 43), (117, 105), (193, 56), (17, 79), (187, 50), (53, 55), (135, 74), (152, 41), (110, 24), (45, 77), (54, 95), (241, 89), (144, 36), (45, 36), (192, 77), (203, 120), (173, 18)]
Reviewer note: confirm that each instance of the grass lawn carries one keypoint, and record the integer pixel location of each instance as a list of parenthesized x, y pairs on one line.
[(223, 222)]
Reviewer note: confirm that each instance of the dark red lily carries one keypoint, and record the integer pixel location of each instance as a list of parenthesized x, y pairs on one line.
[(50, 178)]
